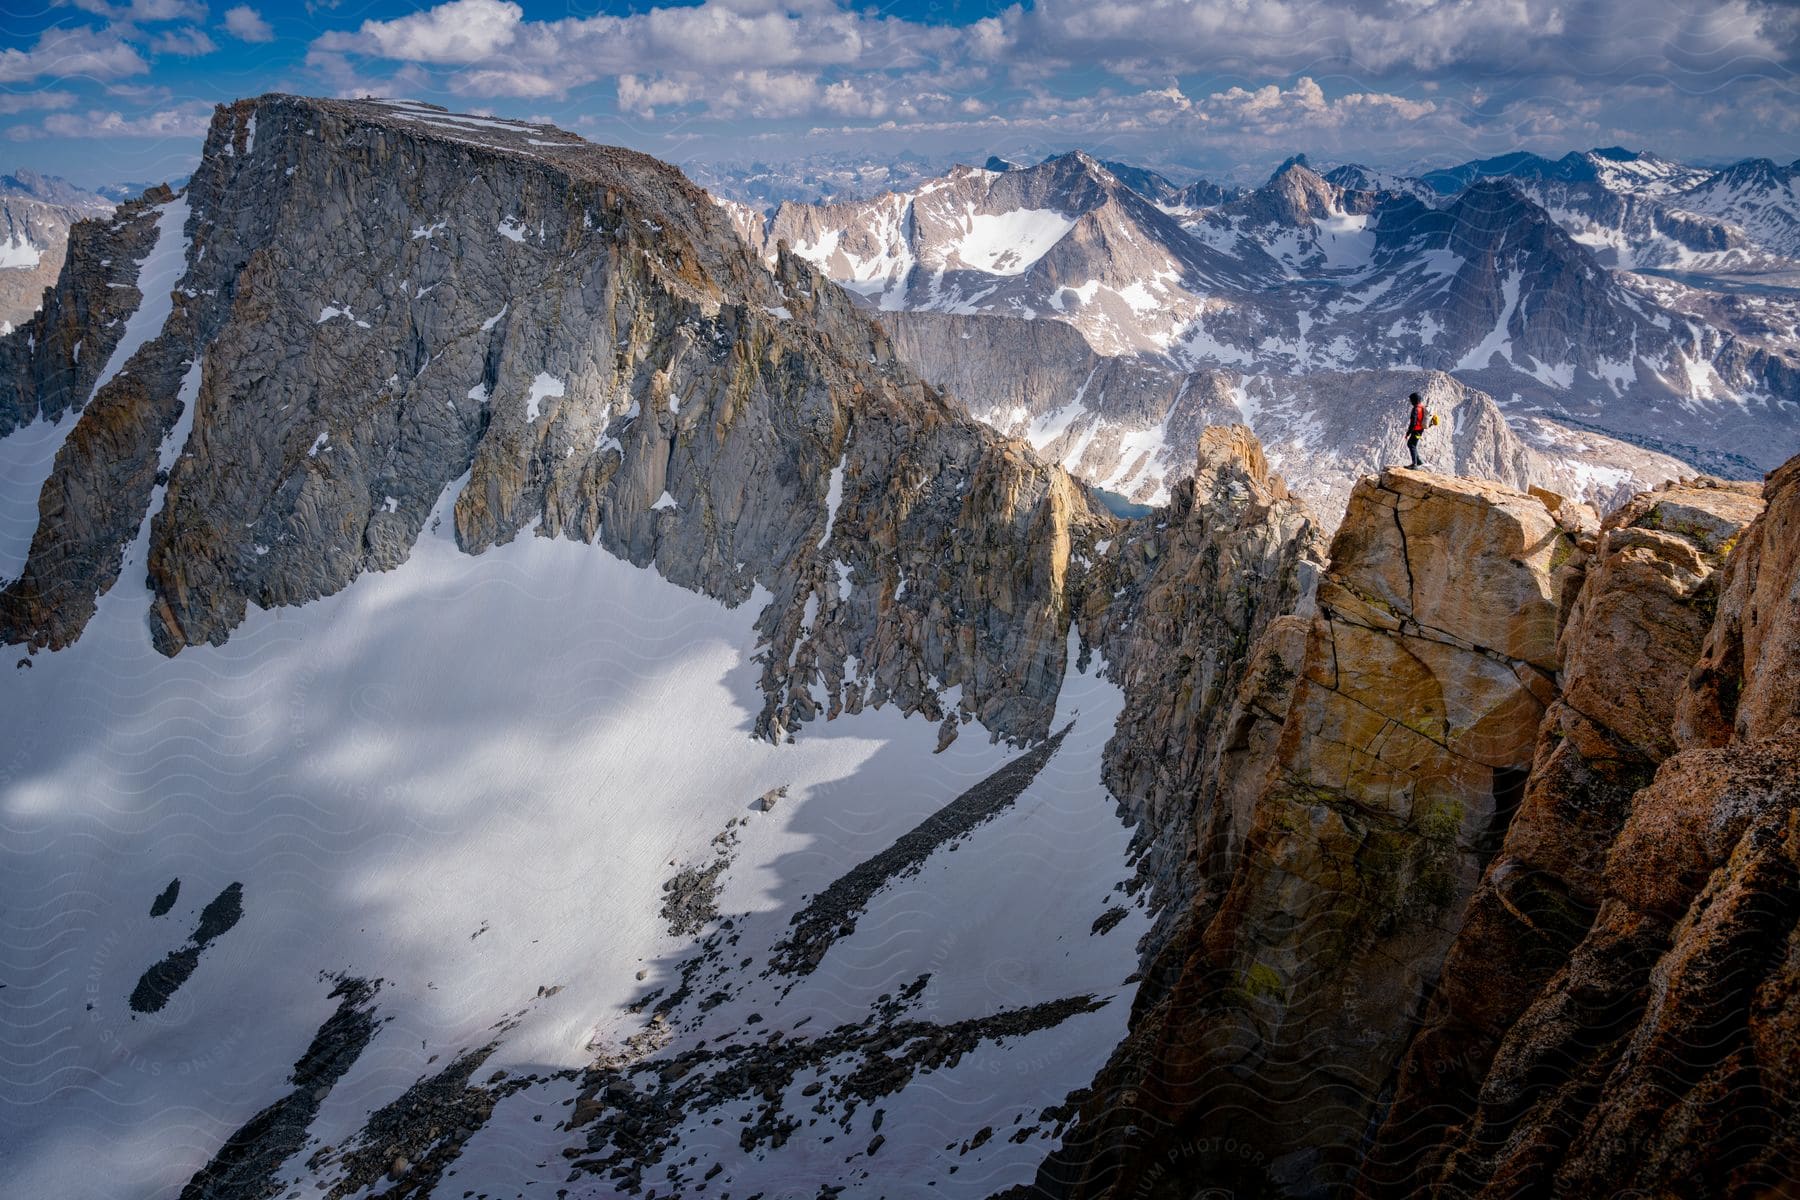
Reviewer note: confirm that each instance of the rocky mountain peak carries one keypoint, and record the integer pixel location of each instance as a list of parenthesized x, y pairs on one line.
[(513, 333), (1295, 194), (1497, 211), (1752, 170)]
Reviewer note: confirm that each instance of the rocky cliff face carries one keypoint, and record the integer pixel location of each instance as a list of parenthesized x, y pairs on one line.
[(573, 338), (59, 353), (1627, 647), (36, 213), (1177, 602), (1618, 1010), (1406, 736), (1512, 911)]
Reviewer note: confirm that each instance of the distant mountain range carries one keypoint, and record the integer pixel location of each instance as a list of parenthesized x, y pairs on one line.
[(1618, 307)]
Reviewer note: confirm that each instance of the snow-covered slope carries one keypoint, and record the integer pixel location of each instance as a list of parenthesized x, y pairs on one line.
[(465, 742), (1626, 172), (1757, 196), (1637, 210), (469, 780)]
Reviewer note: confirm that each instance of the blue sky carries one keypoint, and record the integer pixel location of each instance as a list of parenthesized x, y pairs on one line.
[(100, 91)]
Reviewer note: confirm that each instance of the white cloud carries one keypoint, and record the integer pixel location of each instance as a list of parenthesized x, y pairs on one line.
[(18, 102), (247, 25), (1505, 37), (187, 42), (1304, 107), (144, 11), (455, 33), (143, 95), (779, 94), (185, 122), (504, 54), (72, 51), (763, 94), (644, 96)]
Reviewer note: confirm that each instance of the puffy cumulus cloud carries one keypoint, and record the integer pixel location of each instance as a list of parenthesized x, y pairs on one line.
[(185, 121), (1305, 107), (1502, 37), (72, 51), (459, 32), (76, 51), (247, 25), (643, 97), (756, 93)]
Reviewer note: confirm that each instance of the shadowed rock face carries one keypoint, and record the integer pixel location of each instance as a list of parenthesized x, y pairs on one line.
[(1179, 600), (572, 342), (53, 361)]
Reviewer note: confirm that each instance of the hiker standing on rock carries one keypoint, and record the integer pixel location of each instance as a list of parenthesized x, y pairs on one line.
[(1415, 428)]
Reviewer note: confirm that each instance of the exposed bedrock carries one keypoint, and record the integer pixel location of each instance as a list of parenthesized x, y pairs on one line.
[(1360, 819)]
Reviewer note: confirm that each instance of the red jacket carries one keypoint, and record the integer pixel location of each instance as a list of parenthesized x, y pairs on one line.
[(1418, 419)]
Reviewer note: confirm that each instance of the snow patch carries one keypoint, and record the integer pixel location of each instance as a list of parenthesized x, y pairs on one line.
[(1008, 243), (158, 273), (544, 387), (834, 497), (1499, 340), (331, 311), (18, 251)]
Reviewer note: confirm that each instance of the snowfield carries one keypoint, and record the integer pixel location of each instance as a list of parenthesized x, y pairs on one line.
[(1008, 243), (469, 779)]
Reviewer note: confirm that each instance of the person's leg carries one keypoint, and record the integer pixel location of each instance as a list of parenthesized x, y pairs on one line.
[(1412, 446)]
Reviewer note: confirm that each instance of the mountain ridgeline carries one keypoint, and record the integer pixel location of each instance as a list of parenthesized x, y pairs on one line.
[(514, 580), (1582, 302)]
